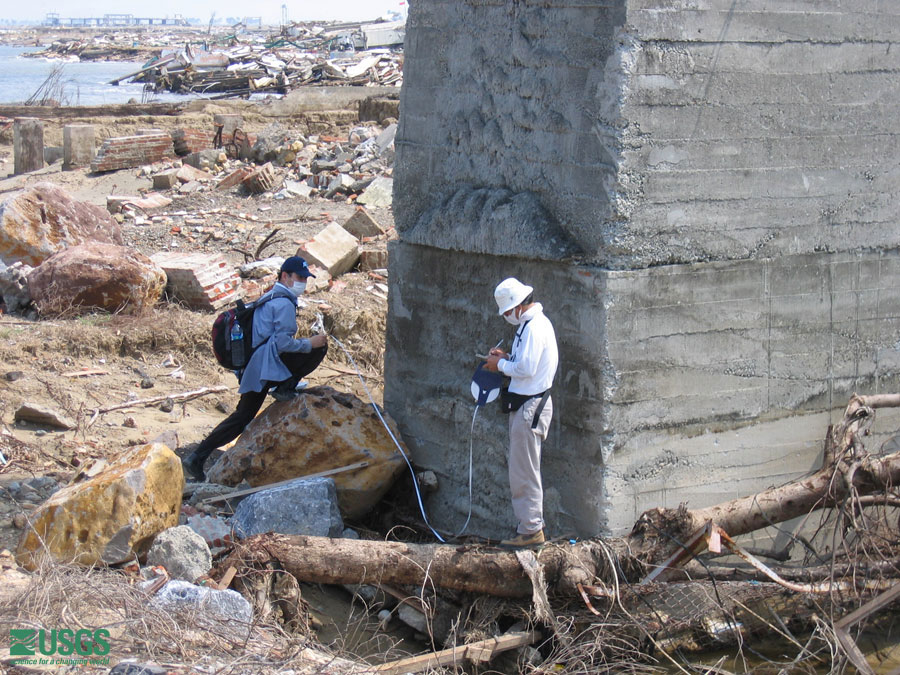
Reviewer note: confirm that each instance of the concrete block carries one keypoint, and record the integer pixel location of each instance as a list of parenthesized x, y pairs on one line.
[(52, 153), (262, 179), (362, 224), (207, 157), (28, 144), (379, 194), (333, 249), (78, 145), (236, 177), (229, 122), (183, 553), (188, 173), (165, 180)]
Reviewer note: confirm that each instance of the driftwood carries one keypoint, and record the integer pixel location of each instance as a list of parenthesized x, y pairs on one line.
[(183, 397), (850, 471)]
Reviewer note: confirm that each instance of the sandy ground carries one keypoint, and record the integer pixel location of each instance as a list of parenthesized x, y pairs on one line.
[(41, 362)]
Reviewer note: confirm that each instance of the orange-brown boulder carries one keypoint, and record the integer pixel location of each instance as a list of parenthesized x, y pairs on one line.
[(111, 517), (37, 222), (319, 430), (96, 276)]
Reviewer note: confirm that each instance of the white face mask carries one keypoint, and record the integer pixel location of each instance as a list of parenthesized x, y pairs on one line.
[(511, 318), (299, 288)]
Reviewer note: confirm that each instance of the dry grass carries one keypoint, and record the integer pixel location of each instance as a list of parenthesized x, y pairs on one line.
[(59, 596)]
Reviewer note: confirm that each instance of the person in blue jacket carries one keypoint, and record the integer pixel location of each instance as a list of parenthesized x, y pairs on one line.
[(278, 359)]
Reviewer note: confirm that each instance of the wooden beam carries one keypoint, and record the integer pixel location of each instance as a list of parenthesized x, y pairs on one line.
[(482, 651), (250, 491), (872, 606)]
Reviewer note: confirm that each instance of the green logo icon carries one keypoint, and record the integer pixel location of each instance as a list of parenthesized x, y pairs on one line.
[(65, 642), (21, 641)]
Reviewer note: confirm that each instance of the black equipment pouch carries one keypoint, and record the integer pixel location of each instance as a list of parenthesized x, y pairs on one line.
[(510, 402)]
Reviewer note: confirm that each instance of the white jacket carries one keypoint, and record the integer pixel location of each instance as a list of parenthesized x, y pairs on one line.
[(534, 355)]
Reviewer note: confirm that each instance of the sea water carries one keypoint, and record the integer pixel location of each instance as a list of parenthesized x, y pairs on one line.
[(83, 82)]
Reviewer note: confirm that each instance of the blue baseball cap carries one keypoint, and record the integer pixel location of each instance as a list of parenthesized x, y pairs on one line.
[(296, 265)]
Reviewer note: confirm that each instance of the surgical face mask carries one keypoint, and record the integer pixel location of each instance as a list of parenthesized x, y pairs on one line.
[(511, 318), (299, 288)]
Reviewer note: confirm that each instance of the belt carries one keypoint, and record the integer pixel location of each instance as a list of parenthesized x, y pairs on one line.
[(540, 408)]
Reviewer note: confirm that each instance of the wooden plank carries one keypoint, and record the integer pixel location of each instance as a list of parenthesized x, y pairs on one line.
[(85, 372), (481, 651), (872, 606), (226, 580), (856, 657), (249, 491)]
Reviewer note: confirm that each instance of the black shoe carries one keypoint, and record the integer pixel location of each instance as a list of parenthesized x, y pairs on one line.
[(193, 465), (285, 391)]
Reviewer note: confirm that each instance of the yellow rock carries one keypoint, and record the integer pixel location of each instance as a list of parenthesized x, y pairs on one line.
[(319, 430), (111, 517)]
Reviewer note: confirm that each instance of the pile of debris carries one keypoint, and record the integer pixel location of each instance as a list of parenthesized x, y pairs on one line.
[(245, 69)]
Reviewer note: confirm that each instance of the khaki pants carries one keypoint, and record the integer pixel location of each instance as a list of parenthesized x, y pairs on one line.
[(525, 464)]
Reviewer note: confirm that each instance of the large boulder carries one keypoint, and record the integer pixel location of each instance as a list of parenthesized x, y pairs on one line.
[(96, 276), (111, 517), (37, 222), (319, 430)]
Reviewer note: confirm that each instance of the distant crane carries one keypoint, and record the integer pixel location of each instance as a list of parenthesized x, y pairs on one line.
[(284, 15), (211, 19)]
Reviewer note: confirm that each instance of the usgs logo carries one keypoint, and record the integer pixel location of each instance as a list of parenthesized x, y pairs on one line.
[(29, 642)]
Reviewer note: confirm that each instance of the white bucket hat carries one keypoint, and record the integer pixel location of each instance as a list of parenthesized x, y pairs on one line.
[(510, 293)]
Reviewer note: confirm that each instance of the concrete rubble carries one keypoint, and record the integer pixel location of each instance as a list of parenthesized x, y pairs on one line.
[(183, 552)]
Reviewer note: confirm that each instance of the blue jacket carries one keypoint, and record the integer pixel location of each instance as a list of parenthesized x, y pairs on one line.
[(274, 327)]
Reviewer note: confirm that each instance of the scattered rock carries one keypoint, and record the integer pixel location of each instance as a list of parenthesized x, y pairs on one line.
[(44, 416), (130, 422), (183, 553), (111, 517), (319, 430), (304, 506), (19, 521), (14, 375), (147, 383), (167, 406), (227, 605), (379, 194), (44, 219), (14, 286), (96, 276), (333, 249)]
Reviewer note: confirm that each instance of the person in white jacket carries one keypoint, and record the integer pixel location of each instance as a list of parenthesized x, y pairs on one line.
[(531, 365)]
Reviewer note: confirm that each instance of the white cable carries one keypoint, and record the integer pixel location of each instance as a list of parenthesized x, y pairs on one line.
[(397, 443)]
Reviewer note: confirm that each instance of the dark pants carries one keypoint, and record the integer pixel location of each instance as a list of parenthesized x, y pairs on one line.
[(231, 427)]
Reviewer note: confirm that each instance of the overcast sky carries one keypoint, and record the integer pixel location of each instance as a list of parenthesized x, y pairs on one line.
[(269, 10)]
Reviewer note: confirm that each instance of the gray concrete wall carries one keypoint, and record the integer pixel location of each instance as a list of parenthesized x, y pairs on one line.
[(702, 195)]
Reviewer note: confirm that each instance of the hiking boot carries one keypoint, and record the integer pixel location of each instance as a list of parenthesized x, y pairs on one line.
[(193, 465), (524, 540)]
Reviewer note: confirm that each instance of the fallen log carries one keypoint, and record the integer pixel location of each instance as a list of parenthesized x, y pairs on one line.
[(496, 572)]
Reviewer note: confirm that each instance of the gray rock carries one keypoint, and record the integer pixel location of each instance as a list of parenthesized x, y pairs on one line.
[(38, 414), (380, 193), (208, 156), (303, 506), (228, 605), (14, 286), (182, 552), (386, 138)]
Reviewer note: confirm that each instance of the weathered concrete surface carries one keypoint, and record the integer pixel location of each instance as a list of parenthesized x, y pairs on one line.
[(713, 231), (28, 144), (688, 383)]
